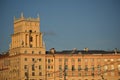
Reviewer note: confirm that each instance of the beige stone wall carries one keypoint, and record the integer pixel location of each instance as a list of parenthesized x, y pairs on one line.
[(91, 61)]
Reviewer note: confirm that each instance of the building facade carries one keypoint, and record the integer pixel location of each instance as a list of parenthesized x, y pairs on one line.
[(27, 58)]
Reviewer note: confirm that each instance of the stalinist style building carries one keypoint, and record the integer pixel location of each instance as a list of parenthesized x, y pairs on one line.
[(27, 58)]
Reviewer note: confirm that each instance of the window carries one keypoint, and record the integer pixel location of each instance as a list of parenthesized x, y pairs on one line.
[(60, 74), (40, 67), (92, 74), (26, 75), (79, 67), (118, 59), (92, 67), (48, 60), (31, 38), (73, 67), (79, 74), (66, 67), (98, 60), (25, 66), (39, 52), (33, 73), (92, 60), (105, 60), (40, 73), (60, 60), (30, 31), (25, 59), (66, 60), (118, 73), (111, 59), (33, 59), (30, 45), (105, 68), (33, 67), (73, 60), (112, 74), (119, 67), (60, 67), (79, 59), (86, 60), (98, 67), (112, 67), (86, 74), (32, 52), (48, 66), (51, 67), (86, 68), (48, 74), (25, 51), (40, 59)]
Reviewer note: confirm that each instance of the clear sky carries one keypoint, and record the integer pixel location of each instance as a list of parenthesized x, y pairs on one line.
[(67, 24)]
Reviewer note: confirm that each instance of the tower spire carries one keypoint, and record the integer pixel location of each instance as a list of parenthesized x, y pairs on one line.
[(22, 15), (38, 17)]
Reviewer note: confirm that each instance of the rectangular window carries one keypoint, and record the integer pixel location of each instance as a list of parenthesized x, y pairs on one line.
[(25, 66), (79, 59), (39, 52), (33, 73), (40, 67), (92, 67), (60, 60), (48, 66), (33, 67), (92, 60), (118, 73), (31, 38), (60, 74), (86, 68), (66, 60), (48, 60), (98, 67), (112, 67), (66, 67), (73, 67), (40, 73), (86, 60), (33, 59), (60, 67), (79, 67), (26, 75), (105, 60), (105, 68), (98, 60), (73, 60), (40, 59), (79, 74), (112, 74), (119, 67), (25, 59), (32, 52)]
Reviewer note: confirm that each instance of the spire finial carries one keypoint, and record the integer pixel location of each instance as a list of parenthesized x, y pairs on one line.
[(22, 15), (38, 17), (14, 18)]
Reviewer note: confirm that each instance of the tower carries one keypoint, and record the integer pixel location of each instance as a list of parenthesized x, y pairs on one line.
[(27, 38)]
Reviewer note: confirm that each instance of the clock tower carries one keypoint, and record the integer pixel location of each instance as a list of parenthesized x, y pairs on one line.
[(27, 38)]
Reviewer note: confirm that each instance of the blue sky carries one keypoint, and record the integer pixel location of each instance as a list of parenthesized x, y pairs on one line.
[(68, 24)]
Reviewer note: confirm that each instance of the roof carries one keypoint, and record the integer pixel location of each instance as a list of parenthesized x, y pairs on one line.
[(84, 52)]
